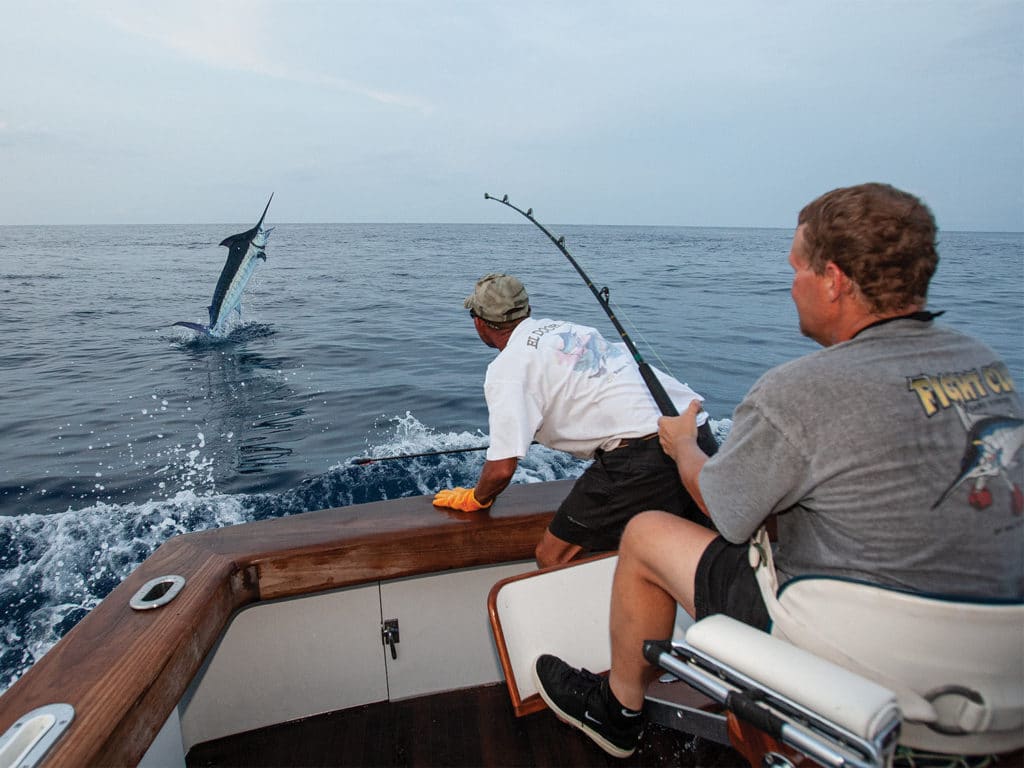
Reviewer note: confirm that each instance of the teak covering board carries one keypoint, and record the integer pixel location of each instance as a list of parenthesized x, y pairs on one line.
[(124, 671)]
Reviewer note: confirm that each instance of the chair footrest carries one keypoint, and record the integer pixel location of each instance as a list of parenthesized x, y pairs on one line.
[(679, 707)]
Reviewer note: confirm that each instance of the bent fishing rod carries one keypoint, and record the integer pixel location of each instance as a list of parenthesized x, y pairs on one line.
[(665, 404)]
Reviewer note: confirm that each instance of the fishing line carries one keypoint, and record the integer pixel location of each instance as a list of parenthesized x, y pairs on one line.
[(665, 404), (643, 340)]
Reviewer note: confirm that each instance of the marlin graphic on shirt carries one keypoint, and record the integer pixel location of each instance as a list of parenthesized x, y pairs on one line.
[(588, 353), (993, 445)]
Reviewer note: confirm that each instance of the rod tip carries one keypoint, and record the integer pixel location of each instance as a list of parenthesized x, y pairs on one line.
[(486, 196)]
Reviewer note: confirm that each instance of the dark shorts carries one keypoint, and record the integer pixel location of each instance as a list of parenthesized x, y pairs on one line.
[(620, 484), (725, 583)]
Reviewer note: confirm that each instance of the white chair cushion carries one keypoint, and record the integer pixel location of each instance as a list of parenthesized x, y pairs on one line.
[(855, 703)]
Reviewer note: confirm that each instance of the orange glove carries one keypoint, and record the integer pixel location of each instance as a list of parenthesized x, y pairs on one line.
[(462, 499)]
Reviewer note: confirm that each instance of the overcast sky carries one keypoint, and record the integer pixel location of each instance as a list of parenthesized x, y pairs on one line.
[(638, 112)]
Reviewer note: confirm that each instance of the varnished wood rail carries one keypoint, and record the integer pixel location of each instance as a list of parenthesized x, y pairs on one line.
[(124, 671)]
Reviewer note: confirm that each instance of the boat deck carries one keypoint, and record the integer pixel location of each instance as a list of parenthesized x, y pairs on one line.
[(473, 727)]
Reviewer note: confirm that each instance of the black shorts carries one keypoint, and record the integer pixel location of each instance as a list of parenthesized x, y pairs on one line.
[(621, 483), (725, 583)]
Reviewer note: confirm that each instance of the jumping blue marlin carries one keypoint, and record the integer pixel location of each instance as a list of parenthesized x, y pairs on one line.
[(243, 251)]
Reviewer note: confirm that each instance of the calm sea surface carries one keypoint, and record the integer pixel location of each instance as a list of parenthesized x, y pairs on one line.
[(119, 431)]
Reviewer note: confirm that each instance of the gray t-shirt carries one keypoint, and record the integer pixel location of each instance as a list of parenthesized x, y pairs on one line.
[(893, 458)]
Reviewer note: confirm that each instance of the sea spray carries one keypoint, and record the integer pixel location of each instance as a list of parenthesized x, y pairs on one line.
[(55, 568)]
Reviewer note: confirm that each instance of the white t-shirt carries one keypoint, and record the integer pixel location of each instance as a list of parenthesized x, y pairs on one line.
[(567, 387)]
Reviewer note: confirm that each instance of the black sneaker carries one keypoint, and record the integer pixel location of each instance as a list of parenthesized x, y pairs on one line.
[(580, 698)]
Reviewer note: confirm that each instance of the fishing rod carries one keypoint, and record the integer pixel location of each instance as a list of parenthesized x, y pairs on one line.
[(665, 404), (371, 459)]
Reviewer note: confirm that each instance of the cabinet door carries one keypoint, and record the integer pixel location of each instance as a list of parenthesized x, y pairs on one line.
[(445, 638), (285, 659)]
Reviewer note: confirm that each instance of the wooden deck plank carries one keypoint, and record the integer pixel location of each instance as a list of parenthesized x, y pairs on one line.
[(473, 727)]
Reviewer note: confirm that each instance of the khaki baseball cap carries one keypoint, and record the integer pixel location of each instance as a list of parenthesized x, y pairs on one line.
[(498, 298)]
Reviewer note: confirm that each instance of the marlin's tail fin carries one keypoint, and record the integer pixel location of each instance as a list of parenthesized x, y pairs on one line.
[(194, 326)]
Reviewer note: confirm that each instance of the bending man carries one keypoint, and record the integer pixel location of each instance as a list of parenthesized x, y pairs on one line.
[(564, 386), (892, 456)]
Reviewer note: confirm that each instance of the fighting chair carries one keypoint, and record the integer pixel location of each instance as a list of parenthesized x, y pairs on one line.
[(848, 671)]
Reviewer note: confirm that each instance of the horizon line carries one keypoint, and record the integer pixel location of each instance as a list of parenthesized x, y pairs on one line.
[(462, 224)]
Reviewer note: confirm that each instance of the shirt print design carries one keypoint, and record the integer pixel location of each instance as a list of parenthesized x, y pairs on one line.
[(588, 353), (994, 440), (993, 446)]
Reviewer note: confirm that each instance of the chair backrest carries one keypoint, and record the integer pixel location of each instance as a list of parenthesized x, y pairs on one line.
[(561, 610), (957, 668)]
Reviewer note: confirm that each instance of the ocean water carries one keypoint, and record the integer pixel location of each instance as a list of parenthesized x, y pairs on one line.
[(119, 430)]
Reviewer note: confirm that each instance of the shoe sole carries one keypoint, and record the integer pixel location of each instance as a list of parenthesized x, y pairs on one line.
[(594, 736)]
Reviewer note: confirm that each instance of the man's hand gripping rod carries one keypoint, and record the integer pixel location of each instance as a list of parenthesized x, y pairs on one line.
[(665, 405)]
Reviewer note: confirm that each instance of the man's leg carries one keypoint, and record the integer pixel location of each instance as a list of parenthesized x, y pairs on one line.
[(657, 567), (552, 550)]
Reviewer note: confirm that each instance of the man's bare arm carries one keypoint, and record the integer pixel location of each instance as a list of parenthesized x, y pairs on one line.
[(494, 478), (678, 438)]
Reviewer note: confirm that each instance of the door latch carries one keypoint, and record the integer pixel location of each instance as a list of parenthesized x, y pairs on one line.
[(389, 635)]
